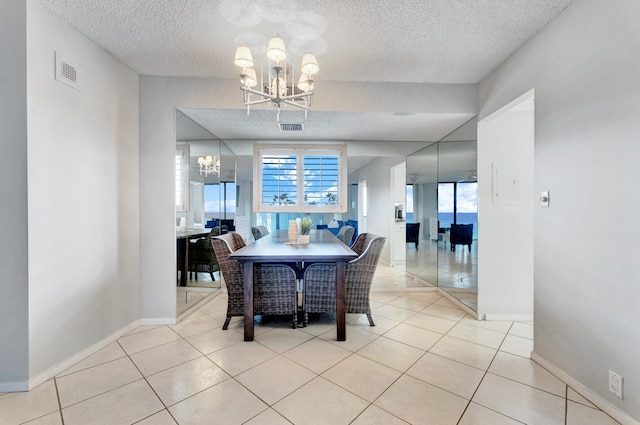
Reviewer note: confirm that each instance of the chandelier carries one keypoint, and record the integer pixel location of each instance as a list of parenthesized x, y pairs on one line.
[(209, 165), (279, 87)]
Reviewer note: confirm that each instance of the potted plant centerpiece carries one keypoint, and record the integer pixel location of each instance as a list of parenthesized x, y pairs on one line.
[(305, 228)]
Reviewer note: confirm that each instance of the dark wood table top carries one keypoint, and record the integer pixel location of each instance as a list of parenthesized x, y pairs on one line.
[(324, 247), (191, 233)]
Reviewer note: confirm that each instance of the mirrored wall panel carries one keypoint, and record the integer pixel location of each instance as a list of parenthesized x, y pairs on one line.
[(442, 219), (421, 216), (205, 205)]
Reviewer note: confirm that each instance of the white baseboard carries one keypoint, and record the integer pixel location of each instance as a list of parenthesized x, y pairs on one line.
[(44, 376), (585, 392), (509, 317), (158, 321)]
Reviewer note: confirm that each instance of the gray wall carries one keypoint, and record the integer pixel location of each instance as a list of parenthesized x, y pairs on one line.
[(14, 285), (585, 69)]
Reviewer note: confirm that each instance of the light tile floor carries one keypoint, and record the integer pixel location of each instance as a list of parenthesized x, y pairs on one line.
[(425, 362)]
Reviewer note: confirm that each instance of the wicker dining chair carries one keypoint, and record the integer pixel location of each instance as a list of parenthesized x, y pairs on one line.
[(259, 232), (274, 285), (345, 234), (320, 281), (202, 258)]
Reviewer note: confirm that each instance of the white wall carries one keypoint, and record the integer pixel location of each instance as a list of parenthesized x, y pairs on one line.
[(380, 209), (585, 70), (83, 196), (505, 227), (14, 349)]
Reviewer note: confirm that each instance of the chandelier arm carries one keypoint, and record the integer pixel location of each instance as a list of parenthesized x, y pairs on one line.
[(297, 96), (297, 105), (258, 102)]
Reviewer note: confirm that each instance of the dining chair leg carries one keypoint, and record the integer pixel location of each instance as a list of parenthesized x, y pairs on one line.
[(370, 320), (226, 323)]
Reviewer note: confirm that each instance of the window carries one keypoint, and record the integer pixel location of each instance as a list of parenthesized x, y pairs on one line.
[(308, 178), (219, 199), (182, 177), (458, 203), (409, 204)]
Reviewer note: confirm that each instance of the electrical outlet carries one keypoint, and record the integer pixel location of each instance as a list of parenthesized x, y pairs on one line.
[(615, 383)]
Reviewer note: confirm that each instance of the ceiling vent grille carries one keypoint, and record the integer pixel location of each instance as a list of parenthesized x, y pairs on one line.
[(67, 73), (286, 126)]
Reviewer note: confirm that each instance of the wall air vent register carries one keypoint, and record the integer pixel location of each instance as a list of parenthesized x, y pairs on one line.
[(67, 73)]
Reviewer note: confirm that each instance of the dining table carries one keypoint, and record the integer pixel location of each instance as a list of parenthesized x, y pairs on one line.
[(323, 247), (183, 236)]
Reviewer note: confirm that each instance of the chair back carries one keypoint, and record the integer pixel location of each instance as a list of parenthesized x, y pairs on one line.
[(320, 281), (461, 234), (345, 234), (259, 232), (231, 270)]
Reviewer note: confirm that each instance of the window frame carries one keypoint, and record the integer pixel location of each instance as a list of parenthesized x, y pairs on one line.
[(300, 151), (182, 177)]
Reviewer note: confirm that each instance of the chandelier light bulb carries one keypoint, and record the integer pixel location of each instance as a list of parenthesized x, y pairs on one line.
[(305, 83), (309, 64), (243, 58), (248, 78), (276, 50)]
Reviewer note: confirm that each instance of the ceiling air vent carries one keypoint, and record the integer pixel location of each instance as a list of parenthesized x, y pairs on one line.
[(287, 126), (66, 73)]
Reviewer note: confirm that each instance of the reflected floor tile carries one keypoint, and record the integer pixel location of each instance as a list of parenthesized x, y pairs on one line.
[(432, 323), (240, 357), (361, 376), (451, 313), (96, 380), (477, 335), (575, 396), (111, 352), (275, 379), (124, 405), (268, 417), (148, 339), (335, 405), (578, 414), (479, 415), (417, 402), (182, 381), (517, 345), (391, 353), (376, 416), (20, 407), (165, 356), (228, 402), (465, 352), (317, 355), (520, 402), (527, 372), (449, 375), (414, 336)]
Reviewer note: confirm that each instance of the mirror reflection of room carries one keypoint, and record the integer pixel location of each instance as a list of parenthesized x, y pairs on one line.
[(205, 207), (442, 216)]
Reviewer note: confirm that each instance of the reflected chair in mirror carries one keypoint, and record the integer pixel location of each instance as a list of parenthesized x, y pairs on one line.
[(259, 232), (319, 295), (202, 258), (345, 234), (461, 234), (413, 233), (274, 291)]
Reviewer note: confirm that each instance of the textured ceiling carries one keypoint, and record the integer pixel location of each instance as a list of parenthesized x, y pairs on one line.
[(437, 41), (406, 41)]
